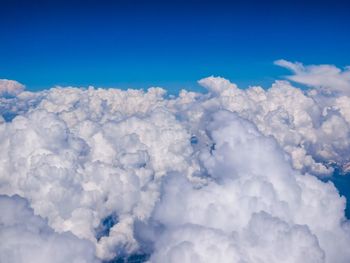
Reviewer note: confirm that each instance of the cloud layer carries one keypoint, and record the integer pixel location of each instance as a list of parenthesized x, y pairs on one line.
[(225, 176)]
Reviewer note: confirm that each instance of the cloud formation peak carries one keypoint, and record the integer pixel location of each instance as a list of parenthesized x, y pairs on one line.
[(10, 87)]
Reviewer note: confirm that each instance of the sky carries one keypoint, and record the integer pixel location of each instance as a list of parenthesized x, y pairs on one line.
[(170, 44)]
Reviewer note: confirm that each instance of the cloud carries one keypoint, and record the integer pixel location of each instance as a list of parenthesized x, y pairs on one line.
[(325, 76), (26, 237), (193, 243), (312, 127), (10, 87), (223, 176), (257, 209), (77, 159)]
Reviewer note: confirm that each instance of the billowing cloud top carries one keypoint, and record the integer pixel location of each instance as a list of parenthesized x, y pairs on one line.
[(10, 87), (227, 176)]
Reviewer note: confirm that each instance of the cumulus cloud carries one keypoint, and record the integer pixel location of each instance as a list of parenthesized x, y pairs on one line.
[(253, 211), (193, 243), (226, 176), (26, 237), (10, 87), (257, 209), (312, 127)]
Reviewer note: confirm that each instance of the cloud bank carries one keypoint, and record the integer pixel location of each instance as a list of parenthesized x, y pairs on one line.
[(231, 175)]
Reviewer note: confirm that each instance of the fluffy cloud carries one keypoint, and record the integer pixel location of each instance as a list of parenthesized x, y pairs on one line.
[(256, 208), (10, 87), (78, 160), (27, 238), (266, 239), (225, 176), (312, 127)]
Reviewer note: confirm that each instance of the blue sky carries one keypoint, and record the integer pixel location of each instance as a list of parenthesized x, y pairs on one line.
[(166, 43)]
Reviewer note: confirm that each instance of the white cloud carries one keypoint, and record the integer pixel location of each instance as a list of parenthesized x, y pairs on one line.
[(325, 76), (251, 175), (27, 238), (215, 177), (266, 239), (10, 87)]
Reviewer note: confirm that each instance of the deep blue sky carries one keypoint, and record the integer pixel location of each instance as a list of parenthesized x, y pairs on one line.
[(167, 43)]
